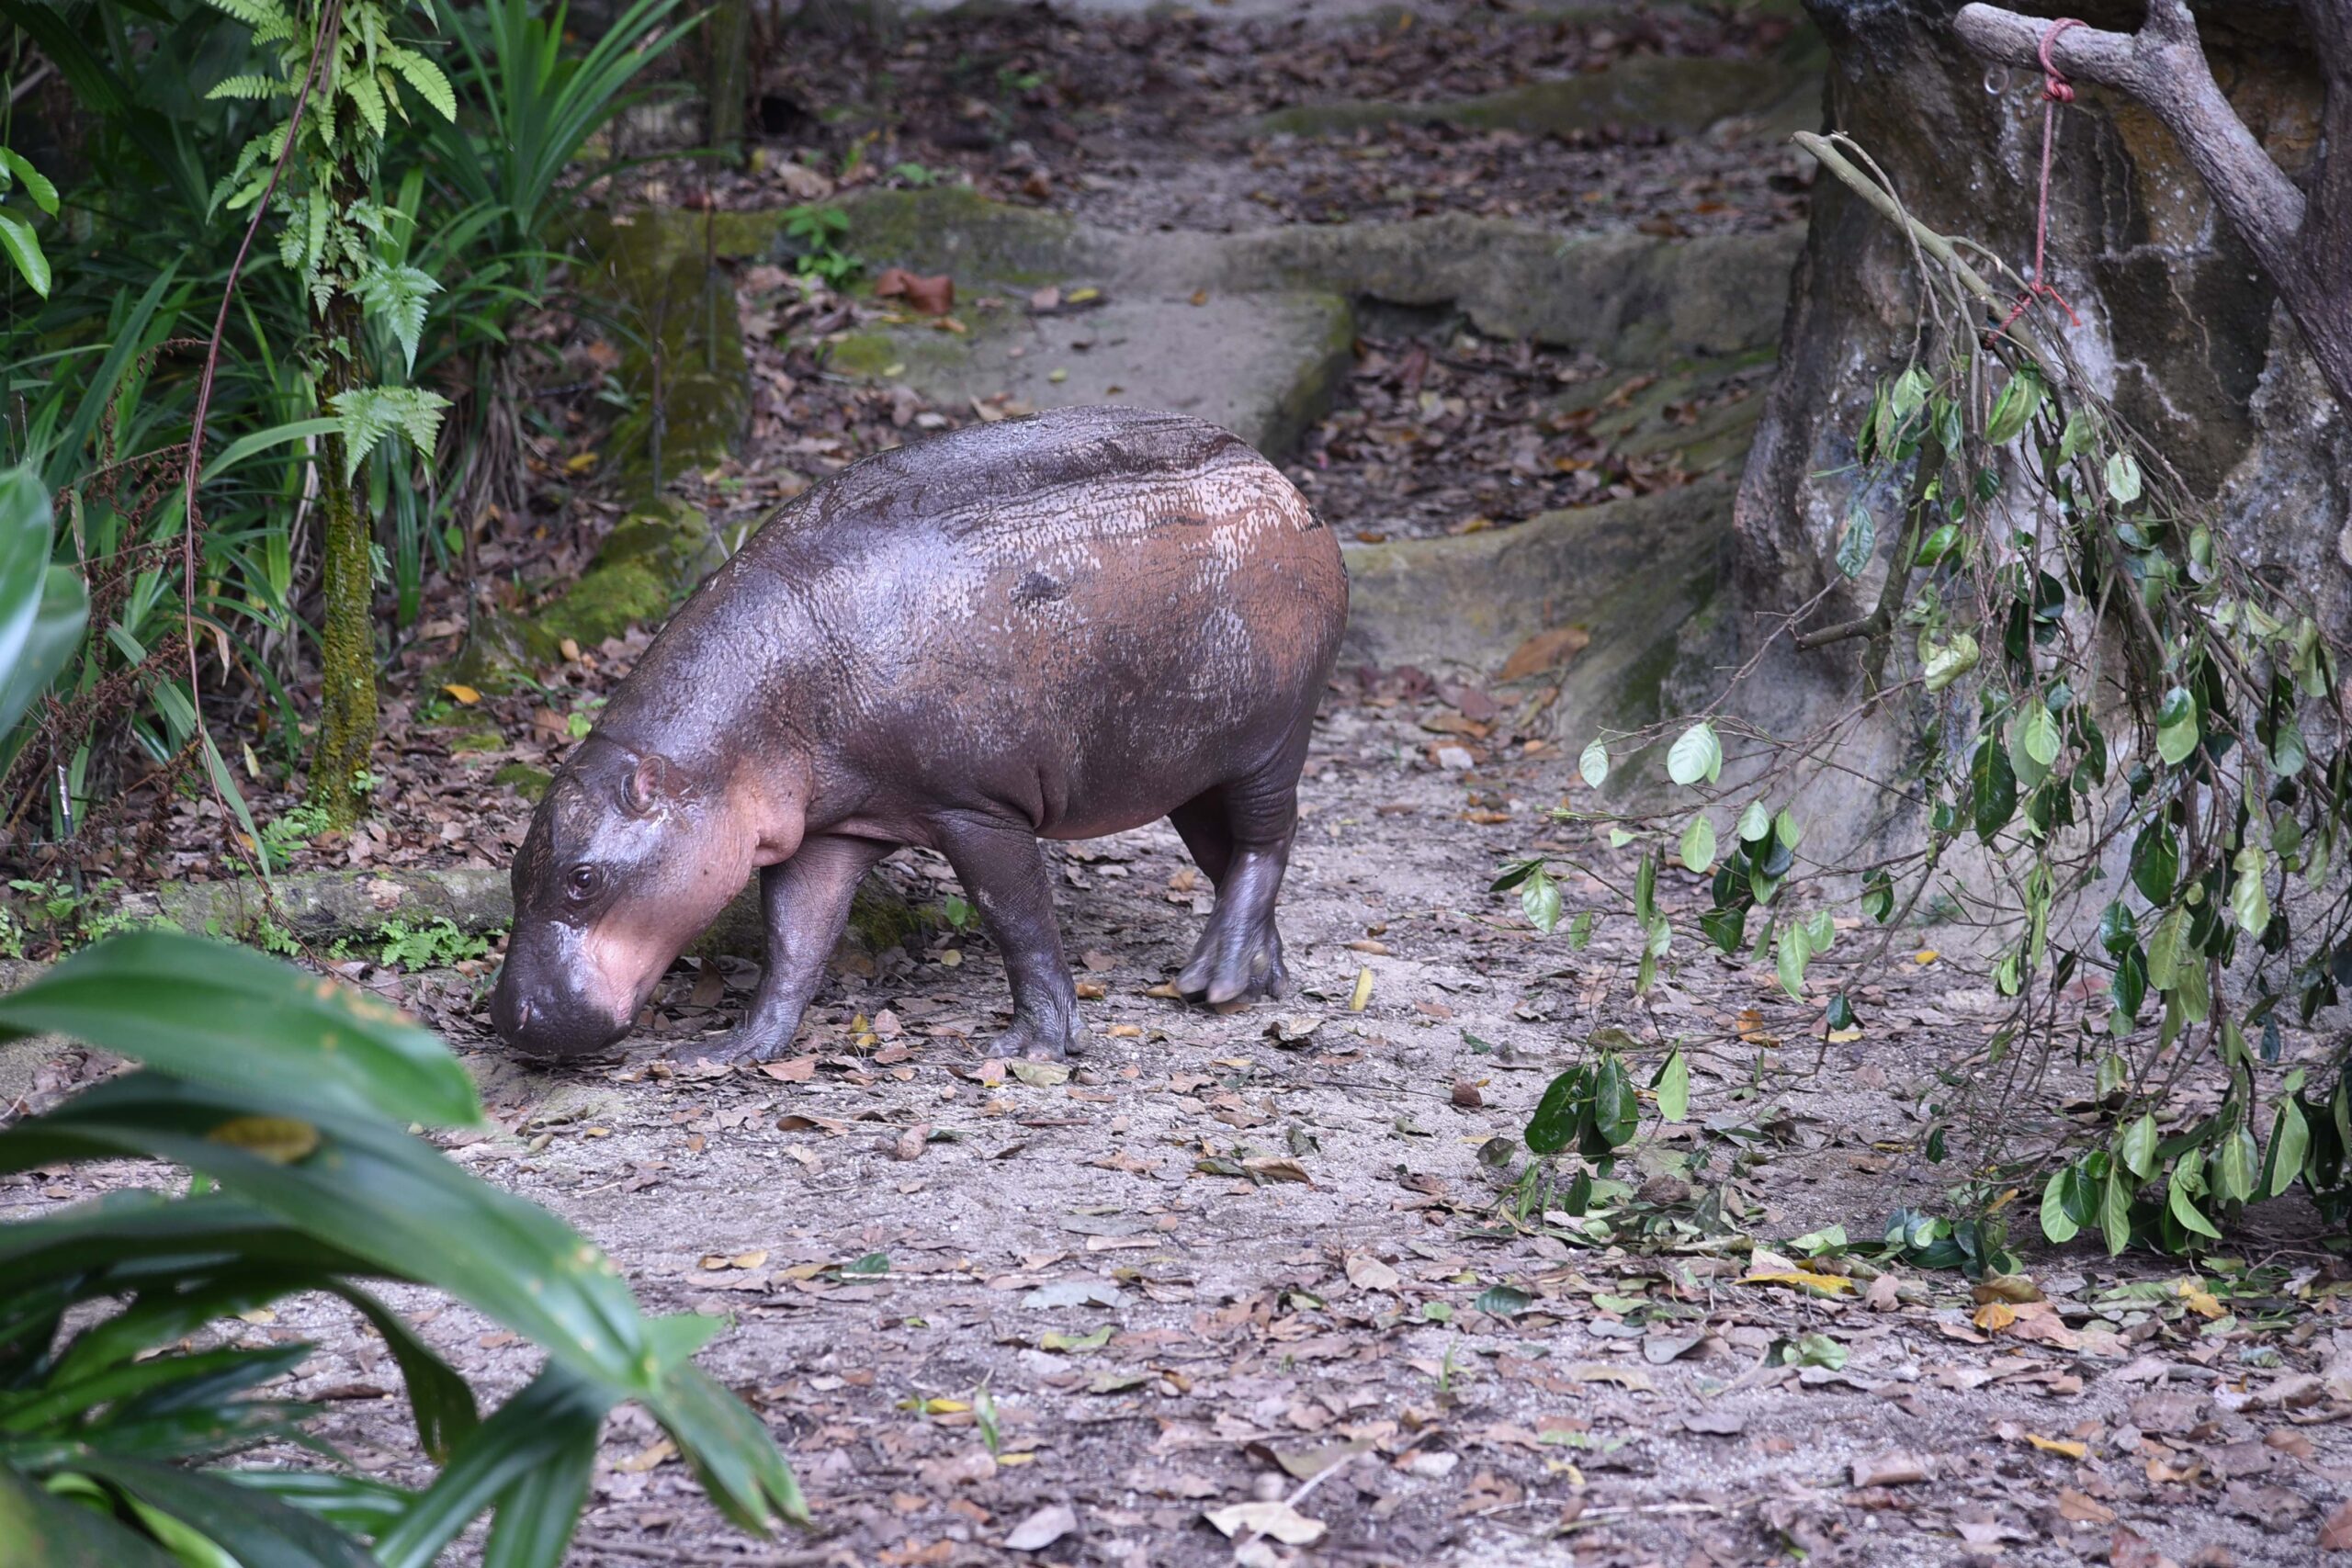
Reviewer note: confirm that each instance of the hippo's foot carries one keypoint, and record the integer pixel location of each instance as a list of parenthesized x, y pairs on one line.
[(1037, 1042), (1229, 967), (733, 1045)]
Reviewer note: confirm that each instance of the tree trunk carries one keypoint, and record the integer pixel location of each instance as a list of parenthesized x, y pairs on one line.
[(346, 622), (2180, 319), (727, 39)]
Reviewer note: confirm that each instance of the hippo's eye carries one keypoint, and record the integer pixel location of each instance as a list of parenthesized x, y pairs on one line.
[(582, 882)]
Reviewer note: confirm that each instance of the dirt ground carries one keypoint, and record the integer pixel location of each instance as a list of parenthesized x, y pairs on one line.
[(1258, 1287), (1245, 1259)]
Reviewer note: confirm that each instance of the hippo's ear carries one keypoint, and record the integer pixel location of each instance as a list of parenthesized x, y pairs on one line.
[(651, 784)]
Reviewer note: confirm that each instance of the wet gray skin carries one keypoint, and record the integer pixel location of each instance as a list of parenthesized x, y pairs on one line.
[(1055, 628)]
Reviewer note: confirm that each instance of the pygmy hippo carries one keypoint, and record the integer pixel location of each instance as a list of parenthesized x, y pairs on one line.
[(1051, 627)]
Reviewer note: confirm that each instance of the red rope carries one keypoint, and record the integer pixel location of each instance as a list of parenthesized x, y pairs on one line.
[(2055, 90)]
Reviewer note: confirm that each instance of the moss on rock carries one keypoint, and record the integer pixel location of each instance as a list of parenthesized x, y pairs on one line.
[(524, 779), (644, 566)]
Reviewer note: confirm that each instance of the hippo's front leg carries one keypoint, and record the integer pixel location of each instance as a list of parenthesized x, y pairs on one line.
[(807, 902), (1004, 874)]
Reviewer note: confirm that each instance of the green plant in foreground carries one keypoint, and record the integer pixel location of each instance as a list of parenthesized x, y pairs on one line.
[(289, 1098)]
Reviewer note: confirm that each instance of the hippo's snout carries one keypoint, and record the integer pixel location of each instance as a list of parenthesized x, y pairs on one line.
[(540, 1012)]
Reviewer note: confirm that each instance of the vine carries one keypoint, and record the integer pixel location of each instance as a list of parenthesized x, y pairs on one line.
[(2127, 751)]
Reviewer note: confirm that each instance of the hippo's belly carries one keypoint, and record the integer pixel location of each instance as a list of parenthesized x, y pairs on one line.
[(1094, 684)]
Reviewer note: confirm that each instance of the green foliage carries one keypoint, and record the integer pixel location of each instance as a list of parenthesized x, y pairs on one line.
[(289, 1096), (440, 236), (817, 231), (436, 944), (2046, 578), (17, 237)]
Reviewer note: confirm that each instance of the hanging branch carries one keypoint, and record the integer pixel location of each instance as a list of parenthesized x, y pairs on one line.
[(2299, 239)]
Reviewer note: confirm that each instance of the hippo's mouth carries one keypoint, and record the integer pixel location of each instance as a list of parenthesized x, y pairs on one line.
[(565, 993)]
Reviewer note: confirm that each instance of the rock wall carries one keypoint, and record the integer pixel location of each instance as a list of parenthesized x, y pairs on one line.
[(2182, 328), (2179, 324)]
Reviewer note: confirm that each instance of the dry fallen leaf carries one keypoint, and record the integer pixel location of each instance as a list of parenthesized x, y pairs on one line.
[(1890, 1470), (1042, 1528), (1366, 1272), (1280, 1521)]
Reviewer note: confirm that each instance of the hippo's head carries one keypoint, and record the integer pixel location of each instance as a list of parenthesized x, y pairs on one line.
[(628, 857)]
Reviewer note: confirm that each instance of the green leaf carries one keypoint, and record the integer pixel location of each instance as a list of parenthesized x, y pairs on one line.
[(2056, 1222), (2249, 901), (232, 1017), (537, 1427), (2155, 862), (396, 296), (1754, 822), (1993, 789), (1695, 755), (1502, 1300), (1580, 929), (426, 78), (41, 1530), (1616, 1108), (2115, 1213), (370, 1188), (2013, 408), (1860, 544), (2183, 1207), (2122, 478), (1840, 1014), (1878, 898), (2039, 734), (43, 608), (2177, 734), (1672, 1086), (36, 184), (1947, 662), (2290, 1142), (1566, 1101), (257, 1531), (2233, 1166), (367, 414), (1699, 844), (1593, 766), (2136, 1149), (22, 247), (1795, 952), (1540, 897)]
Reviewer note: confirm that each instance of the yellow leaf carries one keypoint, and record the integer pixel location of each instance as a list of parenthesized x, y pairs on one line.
[(2202, 1302), (281, 1140), (466, 696), (1994, 1315), (945, 1406), (1362, 997), (2065, 1446), (646, 1458), (1926, 955), (1081, 295), (1804, 1279), (258, 1314), (1843, 1036), (1016, 1458), (580, 462)]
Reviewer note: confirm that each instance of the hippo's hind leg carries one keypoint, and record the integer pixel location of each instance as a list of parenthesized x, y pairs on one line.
[(806, 900), (1003, 873), (1240, 834)]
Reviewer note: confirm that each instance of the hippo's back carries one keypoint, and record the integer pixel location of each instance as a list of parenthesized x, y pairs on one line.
[(1105, 585)]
